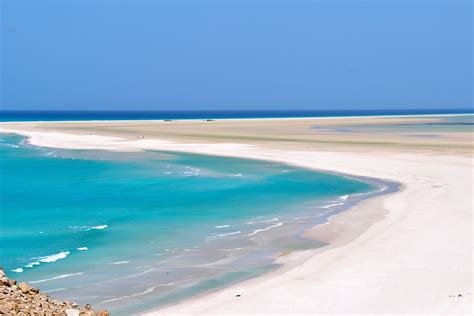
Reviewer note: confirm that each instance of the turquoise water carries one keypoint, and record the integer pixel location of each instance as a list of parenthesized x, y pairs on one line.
[(130, 231)]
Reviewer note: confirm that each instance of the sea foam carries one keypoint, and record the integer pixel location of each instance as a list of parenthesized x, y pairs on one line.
[(332, 205), (264, 229), (51, 258), (223, 235), (146, 291), (31, 265), (100, 227), (119, 262), (55, 257), (221, 226), (267, 221), (63, 276)]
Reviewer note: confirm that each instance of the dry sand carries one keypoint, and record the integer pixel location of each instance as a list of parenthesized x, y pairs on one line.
[(408, 252)]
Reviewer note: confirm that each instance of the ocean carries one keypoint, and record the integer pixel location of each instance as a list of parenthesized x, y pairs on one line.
[(131, 231), (13, 116)]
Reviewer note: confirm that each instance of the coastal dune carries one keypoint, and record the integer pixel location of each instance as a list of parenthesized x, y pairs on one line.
[(406, 252)]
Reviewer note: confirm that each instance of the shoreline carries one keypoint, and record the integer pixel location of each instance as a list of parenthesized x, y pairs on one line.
[(361, 164), (381, 188), (323, 232), (248, 118)]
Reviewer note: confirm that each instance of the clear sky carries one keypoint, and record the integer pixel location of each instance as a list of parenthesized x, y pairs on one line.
[(260, 54)]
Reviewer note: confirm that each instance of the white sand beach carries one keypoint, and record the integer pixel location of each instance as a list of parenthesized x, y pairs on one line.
[(409, 252)]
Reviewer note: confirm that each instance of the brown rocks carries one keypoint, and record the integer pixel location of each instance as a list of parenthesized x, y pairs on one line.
[(72, 312), (24, 287), (34, 290), (87, 311), (10, 282), (102, 313), (23, 299)]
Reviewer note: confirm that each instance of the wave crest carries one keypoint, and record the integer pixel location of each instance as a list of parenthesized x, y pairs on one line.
[(264, 229), (55, 257), (63, 276), (223, 235)]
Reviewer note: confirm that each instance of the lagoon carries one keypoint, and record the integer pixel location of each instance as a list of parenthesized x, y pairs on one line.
[(132, 231)]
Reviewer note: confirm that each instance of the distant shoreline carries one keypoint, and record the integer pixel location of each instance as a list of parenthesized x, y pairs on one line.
[(248, 119), (81, 116)]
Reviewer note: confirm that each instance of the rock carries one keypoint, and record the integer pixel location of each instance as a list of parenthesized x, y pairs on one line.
[(33, 290), (24, 300), (4, 281), (24, 287), (87, 311), (102, 313), (72, 312)]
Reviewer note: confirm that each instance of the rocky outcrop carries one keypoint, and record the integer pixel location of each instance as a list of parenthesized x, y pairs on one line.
[(22, 299)]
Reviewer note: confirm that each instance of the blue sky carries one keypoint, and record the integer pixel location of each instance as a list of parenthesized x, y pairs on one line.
[(162, 55)]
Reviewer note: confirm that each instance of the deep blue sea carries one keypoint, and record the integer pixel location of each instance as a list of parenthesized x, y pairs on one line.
[(13, 116), (132, 231)]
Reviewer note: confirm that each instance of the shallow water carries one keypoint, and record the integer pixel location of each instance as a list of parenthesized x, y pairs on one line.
[(132, 231), (447, 124)]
